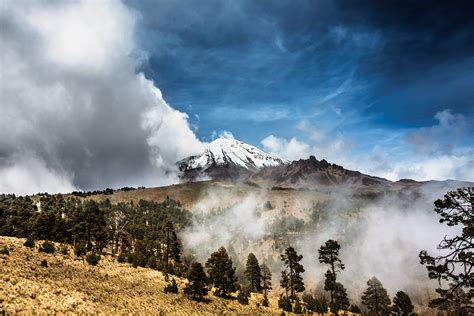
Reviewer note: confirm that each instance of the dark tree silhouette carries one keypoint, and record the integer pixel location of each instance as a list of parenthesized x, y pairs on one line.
[(376, 298), (314, 304), (329, 254), (172, 245), (455, 266), (243, 296), (197, 282), (266, 282), (402, 304), (221, 272), (285, 282), (284, 303), (297, 309), (293, 269), (459, 305), (266, 278), (355, 309), (253, 273), (341, 300)]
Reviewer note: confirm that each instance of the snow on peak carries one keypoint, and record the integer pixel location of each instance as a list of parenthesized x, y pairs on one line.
[(226, 150)]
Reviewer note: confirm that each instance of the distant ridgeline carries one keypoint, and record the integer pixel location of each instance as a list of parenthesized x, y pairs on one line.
[(107, 191), (136, 231)]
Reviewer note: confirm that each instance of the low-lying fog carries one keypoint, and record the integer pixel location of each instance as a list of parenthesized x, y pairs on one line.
[(379, 237)]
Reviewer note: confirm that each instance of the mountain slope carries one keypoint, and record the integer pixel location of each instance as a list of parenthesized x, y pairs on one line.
[(312, 173), (320, 174), (228, 158), (70, 285)]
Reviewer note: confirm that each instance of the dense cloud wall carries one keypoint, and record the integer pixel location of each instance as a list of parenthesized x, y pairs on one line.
[(75, 113)]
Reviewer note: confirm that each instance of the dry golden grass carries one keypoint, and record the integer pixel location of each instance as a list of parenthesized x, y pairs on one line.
[(70, 285)]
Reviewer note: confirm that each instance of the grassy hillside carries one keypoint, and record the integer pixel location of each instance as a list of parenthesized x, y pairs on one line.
[(220, 194), (69, 284)]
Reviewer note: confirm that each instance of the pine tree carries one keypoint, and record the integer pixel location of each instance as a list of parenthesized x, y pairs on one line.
[(294, 269), (284, 303), (460, 304), (456, 265), (197, 282), (221, 272), (402, 304), (329, 254), (116, 221), (355, 309), (297, 309), (265, 301), (266, 278), (243, 296), (285, 282), (172, 246), (376, 298), (253, 273), (341, 300)]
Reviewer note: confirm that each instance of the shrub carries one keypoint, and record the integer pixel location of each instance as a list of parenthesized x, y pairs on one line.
[(171, 287), (152, 264), (265, 301), (93, 258), (268, 206), (44, 263), (4, 251), (355, 309), (121, 258), (137, 258), (243, 296), (284, 303), (64, 250), (47, 247), (297, 309), (30, 242), (79, 250)]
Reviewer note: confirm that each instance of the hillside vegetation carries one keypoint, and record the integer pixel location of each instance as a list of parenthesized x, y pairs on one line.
[(69, 284), (136, 259), (224, 193)]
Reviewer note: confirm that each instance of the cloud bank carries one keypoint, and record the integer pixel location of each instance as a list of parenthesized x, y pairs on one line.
[(75, 112), (438, 152)]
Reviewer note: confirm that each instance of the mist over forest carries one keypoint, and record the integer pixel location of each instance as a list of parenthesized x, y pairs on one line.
[(237, 157), (379, 234)]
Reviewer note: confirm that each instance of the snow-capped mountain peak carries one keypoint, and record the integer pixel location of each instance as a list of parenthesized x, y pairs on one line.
[(229, 151)]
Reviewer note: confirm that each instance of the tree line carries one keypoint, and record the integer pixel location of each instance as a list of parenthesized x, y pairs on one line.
[(143, 234)]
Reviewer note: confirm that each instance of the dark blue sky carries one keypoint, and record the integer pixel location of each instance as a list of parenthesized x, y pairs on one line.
[(370, 73)]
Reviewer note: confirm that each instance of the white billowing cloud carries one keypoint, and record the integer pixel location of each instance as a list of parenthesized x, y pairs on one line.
[(291, 149), (74, 106), (86, 35), (35, 173), (211, 230), (226, 134), (436, 168), (319, 144), (436, 155), (441, 136)]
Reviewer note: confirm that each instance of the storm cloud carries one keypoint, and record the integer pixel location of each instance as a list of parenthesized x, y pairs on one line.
[(75, 112)]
